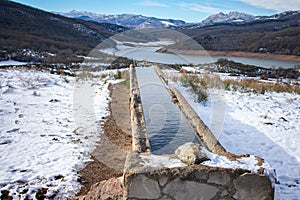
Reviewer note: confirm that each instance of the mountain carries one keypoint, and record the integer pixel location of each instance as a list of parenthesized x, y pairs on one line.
[(276, 34), (127, 20), (231, 17), (238, 18), (28, 33)]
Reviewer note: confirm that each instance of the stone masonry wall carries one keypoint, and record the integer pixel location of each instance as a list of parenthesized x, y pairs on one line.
[(193, 182)]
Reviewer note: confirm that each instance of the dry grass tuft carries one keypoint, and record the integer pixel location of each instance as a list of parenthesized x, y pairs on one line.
[(251, 85)]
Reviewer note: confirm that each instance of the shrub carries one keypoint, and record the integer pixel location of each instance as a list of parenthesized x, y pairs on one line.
[(202, 96), (118, 75)]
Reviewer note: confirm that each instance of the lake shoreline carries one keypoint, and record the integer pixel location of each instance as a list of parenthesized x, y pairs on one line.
[(288, 58)]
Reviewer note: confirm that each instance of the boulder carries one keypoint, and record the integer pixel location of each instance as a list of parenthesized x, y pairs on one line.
[(191, 153), (108, 189)]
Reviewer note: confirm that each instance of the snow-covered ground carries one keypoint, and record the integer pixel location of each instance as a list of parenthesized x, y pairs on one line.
[(264, 125), (11, 62), (48, 126)]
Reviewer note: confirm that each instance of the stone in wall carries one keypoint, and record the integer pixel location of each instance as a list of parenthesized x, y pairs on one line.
[(253, 186), (219, 177), (142, 187), (179, 189)]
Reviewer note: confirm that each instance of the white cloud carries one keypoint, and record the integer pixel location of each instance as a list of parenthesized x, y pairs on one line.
[(279, 5), (200, 8), (152, 3)]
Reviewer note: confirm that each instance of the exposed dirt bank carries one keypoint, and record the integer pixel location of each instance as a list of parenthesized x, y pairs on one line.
[(289, 58), (110, 154)]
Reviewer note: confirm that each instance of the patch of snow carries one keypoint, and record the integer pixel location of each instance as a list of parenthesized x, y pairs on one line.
[(110, 73), (238, 20), (273, 17), (161, 161), (110, 51), (190, 69), (11, 62), (51, 54), (250, 163), (167, 24)]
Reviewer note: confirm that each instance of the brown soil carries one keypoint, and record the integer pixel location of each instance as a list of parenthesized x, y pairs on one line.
[(110, 153), (289, 58)]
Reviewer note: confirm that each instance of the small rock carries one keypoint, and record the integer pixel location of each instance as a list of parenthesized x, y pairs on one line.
[(58, 177), (191, 153), (5, 195), (283, 119), (54, 100), (13, 130), (268, 123), (36, 94), (41, 193)]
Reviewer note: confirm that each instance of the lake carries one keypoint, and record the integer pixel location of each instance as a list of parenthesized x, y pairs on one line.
[(149, 54)]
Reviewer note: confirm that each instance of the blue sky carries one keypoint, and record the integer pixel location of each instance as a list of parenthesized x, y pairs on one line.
[(188, 10)]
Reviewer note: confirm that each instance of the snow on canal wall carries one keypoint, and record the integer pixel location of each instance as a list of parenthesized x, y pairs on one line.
[(193, 172)]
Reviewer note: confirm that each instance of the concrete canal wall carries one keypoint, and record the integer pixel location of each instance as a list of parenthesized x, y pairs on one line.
[(140, 142)]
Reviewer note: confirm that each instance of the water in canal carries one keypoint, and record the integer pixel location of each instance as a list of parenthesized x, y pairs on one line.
[(166, 125)]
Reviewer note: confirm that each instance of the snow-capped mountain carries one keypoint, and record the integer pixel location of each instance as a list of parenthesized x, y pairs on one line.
[(128, 20), (280, 16), (231, 17), (243, 18), (140, 21)]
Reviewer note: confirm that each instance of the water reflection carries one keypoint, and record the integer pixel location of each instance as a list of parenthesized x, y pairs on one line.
[(167, 127)]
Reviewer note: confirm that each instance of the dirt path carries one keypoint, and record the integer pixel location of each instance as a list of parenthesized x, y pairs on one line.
[(110, 154)]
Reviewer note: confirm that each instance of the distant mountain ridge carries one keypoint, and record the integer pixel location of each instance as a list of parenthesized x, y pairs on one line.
[(231, 17), (239, 18), (127, 20), (140, 21)]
